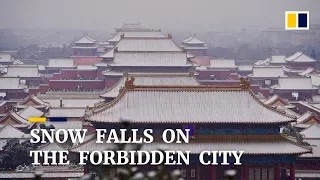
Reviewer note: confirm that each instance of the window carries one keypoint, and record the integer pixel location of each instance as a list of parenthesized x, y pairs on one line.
[(267, 82), (193, 173), (184, 173), (295, 95)]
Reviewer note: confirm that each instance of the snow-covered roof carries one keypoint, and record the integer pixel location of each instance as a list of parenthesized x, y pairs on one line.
[(249, 144), (147, 44), (193, 40), (85, 40), (315, 78), (299, 57), (34, 99), (153, 79), (278, 59), (86, 67), (267, 71), (9, 131), (303, 118), (10, 83), (307, 71), (315, 154), (73, 102), (5, 57), (312, 131), (68, 62), (42, 67), (310, 106), (188, 39), (294, 83), (245, 68), (108, 54), (66, 112), (287, 111), (222, 63), (150, 59), (271, 100), (15, 117), (189, 55), (22, 71), (137, 34), (262, 62), (30, 111), (187, 104)]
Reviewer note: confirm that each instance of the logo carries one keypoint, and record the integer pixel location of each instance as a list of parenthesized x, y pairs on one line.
[(297, 20)]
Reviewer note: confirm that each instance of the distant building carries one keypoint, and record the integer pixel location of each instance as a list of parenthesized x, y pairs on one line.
[(194, 46), (86, 46)]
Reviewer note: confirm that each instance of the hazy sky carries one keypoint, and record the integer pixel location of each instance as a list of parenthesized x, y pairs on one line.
[(196, 15)]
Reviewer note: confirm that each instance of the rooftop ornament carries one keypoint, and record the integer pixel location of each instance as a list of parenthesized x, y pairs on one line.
[(115, 49), (244, 83), (129, 83)]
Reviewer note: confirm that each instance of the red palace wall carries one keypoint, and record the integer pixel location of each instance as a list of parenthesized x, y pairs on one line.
[(72, 74), (86, 60), (111, 81)]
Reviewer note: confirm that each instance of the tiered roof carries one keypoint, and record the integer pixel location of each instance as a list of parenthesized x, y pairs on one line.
[(294, 83), (132, 27), (85, 40), (66, 112), (150, 79), (300, 57), (193, 40), (267, 72), (187, 104)]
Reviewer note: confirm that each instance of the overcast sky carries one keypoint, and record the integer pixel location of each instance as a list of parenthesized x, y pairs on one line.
[(196, 15)]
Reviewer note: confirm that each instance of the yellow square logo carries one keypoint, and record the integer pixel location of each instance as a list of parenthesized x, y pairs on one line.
[(297, 20)]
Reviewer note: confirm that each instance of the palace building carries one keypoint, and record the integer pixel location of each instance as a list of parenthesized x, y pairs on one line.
[(194, 46), (219, 118)]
